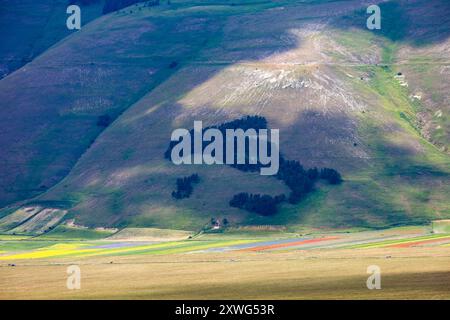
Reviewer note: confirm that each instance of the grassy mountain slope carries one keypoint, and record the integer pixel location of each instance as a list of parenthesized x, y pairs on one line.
[(332, 88)]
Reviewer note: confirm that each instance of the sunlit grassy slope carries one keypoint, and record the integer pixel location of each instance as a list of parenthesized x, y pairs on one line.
[(330, 86)]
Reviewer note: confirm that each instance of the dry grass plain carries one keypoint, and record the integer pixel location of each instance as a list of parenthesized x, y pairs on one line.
[(406, 273)]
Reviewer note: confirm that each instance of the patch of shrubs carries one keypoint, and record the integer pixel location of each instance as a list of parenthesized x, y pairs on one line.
[(264, 205), (184, 186)]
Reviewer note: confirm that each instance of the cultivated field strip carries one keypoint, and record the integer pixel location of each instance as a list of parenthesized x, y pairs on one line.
[(14, 250)]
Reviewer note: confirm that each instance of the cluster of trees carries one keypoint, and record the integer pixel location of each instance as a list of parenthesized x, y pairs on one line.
[(184, 186), (248, 122), (299, 180), (331, 175), (302, 181), (264, 205), (114, 5)]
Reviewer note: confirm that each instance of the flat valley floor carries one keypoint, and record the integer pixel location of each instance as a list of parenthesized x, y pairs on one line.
[(330, 266)]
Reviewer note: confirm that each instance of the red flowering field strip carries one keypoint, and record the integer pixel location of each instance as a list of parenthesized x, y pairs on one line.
[(288, 244)]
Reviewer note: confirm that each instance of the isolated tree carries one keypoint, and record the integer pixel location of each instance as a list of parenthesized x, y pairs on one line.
[(225, 222)]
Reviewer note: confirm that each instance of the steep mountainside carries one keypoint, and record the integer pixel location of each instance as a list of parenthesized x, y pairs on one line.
[(372, 104)]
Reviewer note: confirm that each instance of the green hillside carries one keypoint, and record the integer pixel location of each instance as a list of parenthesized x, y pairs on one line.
[(373, 105)]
